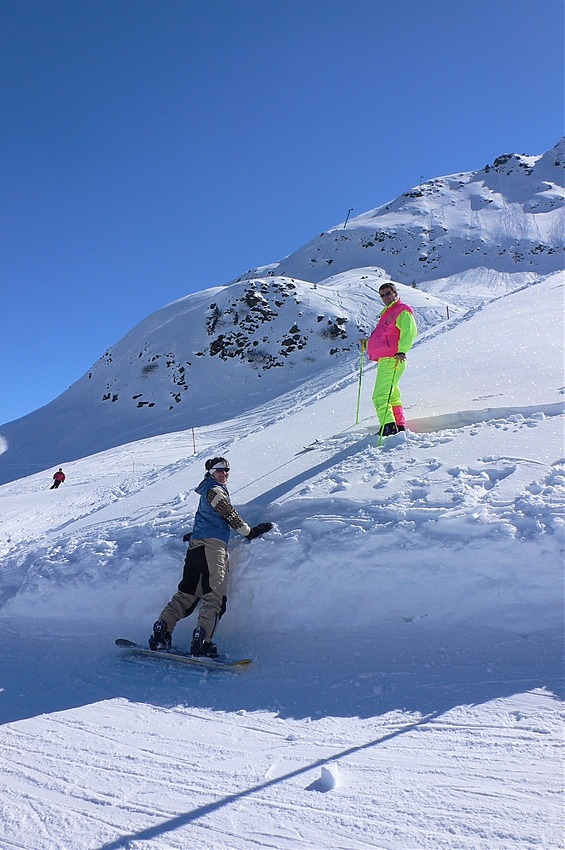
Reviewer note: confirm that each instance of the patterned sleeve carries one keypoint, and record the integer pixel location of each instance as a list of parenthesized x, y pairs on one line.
[(220, 502)]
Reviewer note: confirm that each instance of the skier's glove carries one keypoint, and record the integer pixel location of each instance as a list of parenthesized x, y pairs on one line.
[(258, 530), (187, 537)]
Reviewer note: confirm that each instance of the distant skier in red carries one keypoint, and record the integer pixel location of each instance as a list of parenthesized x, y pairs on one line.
[(58, 478)]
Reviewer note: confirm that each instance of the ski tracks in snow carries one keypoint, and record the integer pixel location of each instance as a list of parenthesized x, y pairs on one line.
[(120, 775)]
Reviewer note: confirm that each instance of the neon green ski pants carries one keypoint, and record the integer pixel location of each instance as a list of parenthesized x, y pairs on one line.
[(386, 394)]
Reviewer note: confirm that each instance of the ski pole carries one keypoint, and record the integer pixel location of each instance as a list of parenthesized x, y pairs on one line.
[(361, 363), (388, 399)]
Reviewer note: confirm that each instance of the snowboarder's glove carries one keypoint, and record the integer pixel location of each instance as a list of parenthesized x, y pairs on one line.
[(260, 529)]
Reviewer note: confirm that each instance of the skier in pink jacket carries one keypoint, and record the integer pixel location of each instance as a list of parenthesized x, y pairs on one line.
[(388, 345)]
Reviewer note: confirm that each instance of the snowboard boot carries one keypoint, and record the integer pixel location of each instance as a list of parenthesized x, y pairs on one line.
[(389, 429), (202, 647), (161, 637)]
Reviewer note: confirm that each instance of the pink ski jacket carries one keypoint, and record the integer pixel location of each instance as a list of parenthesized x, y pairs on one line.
[(395, 331)]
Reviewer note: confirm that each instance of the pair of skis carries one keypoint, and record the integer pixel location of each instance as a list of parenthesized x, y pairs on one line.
[(361, 433)]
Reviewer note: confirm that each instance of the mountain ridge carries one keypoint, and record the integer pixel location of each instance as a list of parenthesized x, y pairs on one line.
[(452, 225)]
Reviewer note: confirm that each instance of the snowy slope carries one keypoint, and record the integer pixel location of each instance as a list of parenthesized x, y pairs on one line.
[(404, 617)]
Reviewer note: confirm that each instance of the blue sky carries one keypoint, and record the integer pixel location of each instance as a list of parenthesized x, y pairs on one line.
[(153, 148)]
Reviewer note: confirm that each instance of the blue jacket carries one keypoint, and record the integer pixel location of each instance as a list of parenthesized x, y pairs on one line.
[(208, 522)]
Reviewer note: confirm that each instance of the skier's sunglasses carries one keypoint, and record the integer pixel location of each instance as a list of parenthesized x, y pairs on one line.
[(225, 469), (386, 292)]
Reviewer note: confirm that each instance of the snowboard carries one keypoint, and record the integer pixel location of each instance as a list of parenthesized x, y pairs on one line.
[(181, 657)]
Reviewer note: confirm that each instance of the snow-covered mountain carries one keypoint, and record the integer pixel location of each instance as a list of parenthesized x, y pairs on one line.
[(452, 243), (472, 235), (211, 355)]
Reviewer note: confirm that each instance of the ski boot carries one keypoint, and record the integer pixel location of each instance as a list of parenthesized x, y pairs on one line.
[(389, 429)]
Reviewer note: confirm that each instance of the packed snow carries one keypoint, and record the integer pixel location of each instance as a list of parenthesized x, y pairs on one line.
[(404, 617)]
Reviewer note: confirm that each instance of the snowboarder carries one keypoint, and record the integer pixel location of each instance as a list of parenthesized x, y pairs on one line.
[(58, 478), (206, 566), (388, 345)]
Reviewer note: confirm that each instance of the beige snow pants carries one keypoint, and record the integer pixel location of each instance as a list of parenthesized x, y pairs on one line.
[(205, 577)]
